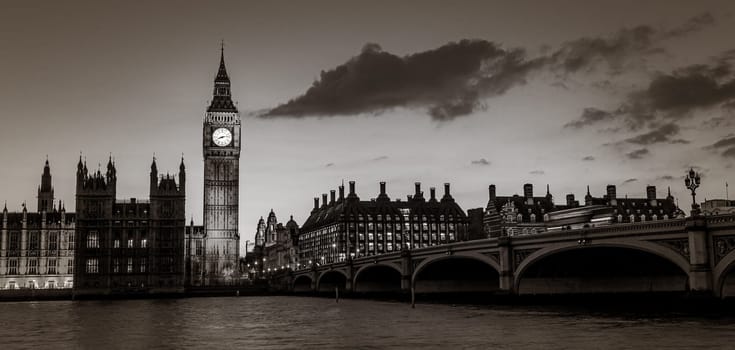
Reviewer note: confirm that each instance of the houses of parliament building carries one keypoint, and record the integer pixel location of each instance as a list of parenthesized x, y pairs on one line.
[(132, 246)]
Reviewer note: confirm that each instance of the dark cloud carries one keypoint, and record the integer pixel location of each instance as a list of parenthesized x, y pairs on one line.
[(590, 116), (629, 181), (376, 159), (726, 142), (638, 154), (726, 146), (588, 53), (667, 178), (620, 49), (676, 95), (453, 80), (659, 135), (481, 161), (588, 158), (694, 24), (537, 172), (449, 80), (329, 165)]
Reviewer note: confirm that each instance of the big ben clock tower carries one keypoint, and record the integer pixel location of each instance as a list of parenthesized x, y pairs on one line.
[(221, 145)]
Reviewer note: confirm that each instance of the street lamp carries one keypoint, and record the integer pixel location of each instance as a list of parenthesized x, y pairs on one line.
[(692, 182)]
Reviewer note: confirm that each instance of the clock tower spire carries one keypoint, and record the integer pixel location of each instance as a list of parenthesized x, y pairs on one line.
[(221, 146)]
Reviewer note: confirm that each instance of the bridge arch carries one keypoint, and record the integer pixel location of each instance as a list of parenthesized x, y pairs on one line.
[(381, 277), (330, 279), (641, 248), (460, 272), (302, 283), (720, 275)]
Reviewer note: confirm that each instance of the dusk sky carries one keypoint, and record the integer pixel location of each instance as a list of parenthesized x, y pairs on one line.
[(565, 93)]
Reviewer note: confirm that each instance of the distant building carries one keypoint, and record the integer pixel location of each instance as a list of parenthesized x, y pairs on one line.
[(718, 207), (37, 248), (518, 215), (129, 247), (629, 210), (348, 227), (275, 244)]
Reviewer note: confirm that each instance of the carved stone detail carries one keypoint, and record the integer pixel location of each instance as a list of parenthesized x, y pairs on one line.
[(680, 246), (723, 246)]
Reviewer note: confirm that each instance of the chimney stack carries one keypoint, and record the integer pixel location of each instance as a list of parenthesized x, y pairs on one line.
[(352, 187), (341, 192), (332, 195), (382, 187), (528, 191), (316, 203), (324, 199), (446, 190), (417, 186), (570, 200), (611, 192), (491, 193), (651, 192), (432, 191)]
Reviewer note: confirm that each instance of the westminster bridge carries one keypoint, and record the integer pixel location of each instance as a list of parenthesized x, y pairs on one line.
[(695, 254)]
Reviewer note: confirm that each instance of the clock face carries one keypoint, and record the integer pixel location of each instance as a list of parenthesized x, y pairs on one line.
[(222, 137)]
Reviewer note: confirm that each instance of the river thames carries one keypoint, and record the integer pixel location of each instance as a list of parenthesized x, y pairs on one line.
[(320, 323)]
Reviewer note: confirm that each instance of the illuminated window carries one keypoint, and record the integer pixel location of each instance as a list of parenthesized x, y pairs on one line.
[(143, 262), (130, 242), (115, 265), (70, 266), (130, 265), (116, 243), (51, 266), (12, 267), (32, 267), (144, 243), (93, 240), (92, 265)]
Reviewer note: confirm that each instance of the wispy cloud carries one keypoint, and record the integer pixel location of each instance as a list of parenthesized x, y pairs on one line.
[(481, 161), (638, 154)]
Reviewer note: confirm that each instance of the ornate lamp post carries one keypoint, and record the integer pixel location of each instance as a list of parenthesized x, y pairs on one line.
[(692, 182)]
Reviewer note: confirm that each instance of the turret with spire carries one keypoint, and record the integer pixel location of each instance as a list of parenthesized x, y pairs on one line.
[(154, 176), (182, 176), (45, 190)]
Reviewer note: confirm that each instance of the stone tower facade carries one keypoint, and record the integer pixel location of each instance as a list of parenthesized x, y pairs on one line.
[(221, 143)]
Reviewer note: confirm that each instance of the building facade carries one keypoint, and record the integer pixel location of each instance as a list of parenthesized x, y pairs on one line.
[(221, 143), (529, 214), (194, 255), (276, 244), (129, 246), (37, 248), (343, 227)]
